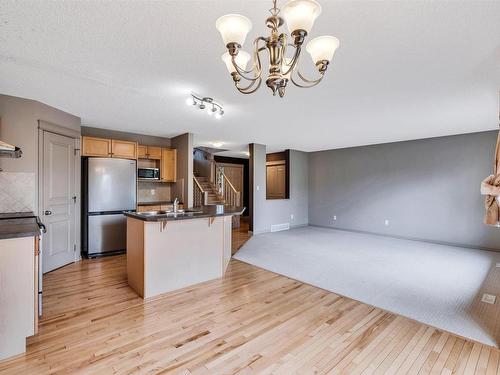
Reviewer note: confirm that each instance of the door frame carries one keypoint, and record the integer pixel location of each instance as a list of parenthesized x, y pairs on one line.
[(45, 126)]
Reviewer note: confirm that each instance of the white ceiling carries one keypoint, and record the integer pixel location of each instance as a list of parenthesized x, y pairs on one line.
[(404, 70)]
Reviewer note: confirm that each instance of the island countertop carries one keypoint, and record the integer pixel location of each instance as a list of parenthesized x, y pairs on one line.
[(191, 213)]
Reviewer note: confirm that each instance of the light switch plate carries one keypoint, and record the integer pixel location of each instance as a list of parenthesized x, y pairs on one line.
[(489, 298), (498, 265)]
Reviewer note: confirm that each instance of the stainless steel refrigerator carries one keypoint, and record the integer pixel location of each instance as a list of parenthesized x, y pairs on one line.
[(109, 188)]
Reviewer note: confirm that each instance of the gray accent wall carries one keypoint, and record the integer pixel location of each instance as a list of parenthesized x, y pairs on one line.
[(427, 189), (183, 188), (278, 211)]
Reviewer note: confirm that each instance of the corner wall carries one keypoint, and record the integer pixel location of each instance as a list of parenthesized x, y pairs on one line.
[(428, 189), (265, 212), (183, 188)]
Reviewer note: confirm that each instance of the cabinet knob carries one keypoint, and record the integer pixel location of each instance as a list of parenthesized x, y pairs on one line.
[(48, 212)]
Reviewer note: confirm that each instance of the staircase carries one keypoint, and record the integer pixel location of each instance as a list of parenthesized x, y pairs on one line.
[(213, 196)]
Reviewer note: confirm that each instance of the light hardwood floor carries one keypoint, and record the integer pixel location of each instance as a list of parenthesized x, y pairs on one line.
[(251, 321), (240, 235)]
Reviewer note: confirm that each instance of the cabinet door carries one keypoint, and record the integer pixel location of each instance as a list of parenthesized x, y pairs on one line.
[(270, 181), (96, 147), (154, 153), (280, 182), (123, 149), (167, 207), (142, 152), (168, 169)]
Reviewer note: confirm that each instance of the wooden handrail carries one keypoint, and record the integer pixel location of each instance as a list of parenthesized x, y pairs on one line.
[(230, 184), (197, 183), (200, 196)]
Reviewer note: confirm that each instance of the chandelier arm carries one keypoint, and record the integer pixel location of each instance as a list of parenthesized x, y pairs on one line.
[(295, 60), (283, 40), (257, 66), (305, 80), (245, 90)]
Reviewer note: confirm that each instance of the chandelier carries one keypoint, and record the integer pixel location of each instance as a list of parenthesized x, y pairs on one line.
[(299, 16)]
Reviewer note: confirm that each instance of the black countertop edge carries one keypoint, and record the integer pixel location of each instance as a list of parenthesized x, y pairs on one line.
[(18, 228), (201, 212)]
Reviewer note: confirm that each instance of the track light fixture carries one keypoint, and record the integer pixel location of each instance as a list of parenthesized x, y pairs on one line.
[(211, 106)]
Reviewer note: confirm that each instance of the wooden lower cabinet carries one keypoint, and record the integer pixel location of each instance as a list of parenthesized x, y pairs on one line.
[(168, 167), (18, 294)]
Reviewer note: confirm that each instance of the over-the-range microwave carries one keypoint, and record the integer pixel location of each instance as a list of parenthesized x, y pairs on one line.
[(148, 173)]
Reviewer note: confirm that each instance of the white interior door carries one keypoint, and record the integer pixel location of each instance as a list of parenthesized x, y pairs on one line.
[(59, 201)]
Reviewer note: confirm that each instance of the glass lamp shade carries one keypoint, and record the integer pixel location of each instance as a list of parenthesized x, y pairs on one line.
[(300, 14), (241, 59), (322, 48), (233, 28)]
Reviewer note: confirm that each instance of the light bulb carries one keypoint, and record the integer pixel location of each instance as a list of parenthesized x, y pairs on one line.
[(189, 101), (218, 116), (202, 105), (210, 111)]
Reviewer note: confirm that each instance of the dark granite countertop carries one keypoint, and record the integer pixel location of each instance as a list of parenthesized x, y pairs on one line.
[(191, 213), (18, 224)]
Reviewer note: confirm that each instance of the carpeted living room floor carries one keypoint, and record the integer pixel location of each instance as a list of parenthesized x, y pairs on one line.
[(435, 284)]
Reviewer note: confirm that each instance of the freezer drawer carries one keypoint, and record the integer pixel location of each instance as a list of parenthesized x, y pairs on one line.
[(106, 233)]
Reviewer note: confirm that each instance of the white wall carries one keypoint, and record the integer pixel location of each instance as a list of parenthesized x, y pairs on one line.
[(279, 211)]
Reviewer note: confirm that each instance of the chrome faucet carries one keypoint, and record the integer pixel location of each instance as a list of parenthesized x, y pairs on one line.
[(176, 204)]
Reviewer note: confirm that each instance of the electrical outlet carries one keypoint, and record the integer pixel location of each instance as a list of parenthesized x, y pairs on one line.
[(291, 216), (488, 298), (334, 217), (386, 222), (258, 187)]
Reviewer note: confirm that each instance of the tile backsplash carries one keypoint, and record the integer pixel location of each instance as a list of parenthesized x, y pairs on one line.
[(17, 192), (152, 191)]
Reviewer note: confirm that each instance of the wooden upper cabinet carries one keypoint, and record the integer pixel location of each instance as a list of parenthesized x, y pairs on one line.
[(275, 181), (168, 167), (92, 146), (96, 147), (154, 153), (149, 152), (142, 152), (123, 149)]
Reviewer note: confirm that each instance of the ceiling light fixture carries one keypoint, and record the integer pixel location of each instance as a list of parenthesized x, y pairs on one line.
[(211, 106), (299, 16)]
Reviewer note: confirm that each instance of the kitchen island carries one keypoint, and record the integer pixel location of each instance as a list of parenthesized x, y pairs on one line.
[(167, 251)]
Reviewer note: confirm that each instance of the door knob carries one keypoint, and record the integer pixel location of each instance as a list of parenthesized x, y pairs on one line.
[(48, 212)]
